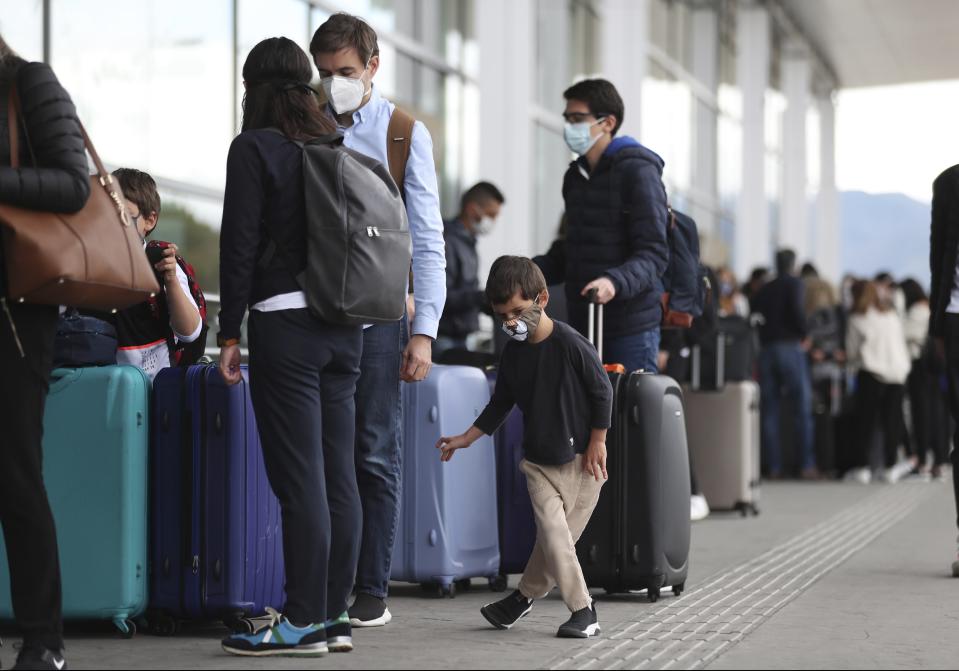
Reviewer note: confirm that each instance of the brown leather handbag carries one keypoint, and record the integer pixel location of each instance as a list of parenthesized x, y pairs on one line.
[(93, 258)]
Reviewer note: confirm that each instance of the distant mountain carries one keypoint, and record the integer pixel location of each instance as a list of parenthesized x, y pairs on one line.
[(886, 231)]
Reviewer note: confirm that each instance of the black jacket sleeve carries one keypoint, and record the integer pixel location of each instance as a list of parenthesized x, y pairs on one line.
[(499, 406), (240, 231), (59, 181), (939, 254), (797, 311), (553, 263), (459, 299), (646, 232), (595, 380)]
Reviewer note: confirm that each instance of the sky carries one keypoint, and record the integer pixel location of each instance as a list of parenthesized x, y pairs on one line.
[(896, 139)]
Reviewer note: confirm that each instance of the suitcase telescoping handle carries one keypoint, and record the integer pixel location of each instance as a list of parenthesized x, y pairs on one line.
[(595, 322), (697, 363)]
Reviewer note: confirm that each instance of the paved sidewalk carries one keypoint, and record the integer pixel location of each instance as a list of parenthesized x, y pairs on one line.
[(829, 575)]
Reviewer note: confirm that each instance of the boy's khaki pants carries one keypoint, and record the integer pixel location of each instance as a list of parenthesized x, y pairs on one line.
[(563, 500)]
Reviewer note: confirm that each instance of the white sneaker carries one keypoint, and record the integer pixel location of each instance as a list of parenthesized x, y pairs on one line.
[(861, 475), (698, 508), (895, 473)]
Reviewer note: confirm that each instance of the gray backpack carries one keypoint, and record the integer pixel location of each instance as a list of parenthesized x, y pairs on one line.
[(357, 236)]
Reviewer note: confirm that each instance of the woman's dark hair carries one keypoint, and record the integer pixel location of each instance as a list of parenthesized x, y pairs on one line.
[(510, 274), (913, 292), (277, 74)]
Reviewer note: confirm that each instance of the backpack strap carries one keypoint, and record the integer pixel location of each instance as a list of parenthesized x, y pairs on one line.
[(399, 140)]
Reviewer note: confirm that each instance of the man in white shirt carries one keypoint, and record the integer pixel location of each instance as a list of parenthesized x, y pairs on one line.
[(346, 53)]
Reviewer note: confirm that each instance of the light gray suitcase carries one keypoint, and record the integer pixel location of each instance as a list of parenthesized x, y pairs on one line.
[(723, 432)]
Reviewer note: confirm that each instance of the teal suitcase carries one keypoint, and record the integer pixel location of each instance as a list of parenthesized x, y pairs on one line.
[(96, 434)]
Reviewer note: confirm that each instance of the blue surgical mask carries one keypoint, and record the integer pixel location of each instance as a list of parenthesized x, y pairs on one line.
[(578, 138)]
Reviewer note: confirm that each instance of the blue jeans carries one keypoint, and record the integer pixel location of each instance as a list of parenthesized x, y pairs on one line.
[(784, 371), (379, 458), (637, 352)]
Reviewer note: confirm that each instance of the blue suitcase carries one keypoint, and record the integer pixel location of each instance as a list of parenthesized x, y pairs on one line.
[(517, 524), (447, 531), (95, 442), (216, 538)]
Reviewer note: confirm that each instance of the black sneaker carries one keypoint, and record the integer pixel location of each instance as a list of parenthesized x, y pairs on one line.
[(503, 614), (339, 634), (581, 624), (368, 611), (38, 657)]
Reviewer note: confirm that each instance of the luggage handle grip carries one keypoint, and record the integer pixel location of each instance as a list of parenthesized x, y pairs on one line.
[(595, 328), (61, 378)]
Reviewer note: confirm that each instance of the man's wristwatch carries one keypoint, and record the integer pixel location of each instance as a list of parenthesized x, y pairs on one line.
[(226, 342)]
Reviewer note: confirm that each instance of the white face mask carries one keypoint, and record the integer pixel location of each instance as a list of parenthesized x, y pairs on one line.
[(344, 93), (484, 226)]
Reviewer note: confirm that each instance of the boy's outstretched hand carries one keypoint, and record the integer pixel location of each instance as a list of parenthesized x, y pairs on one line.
[(594, 461), (448, 446)]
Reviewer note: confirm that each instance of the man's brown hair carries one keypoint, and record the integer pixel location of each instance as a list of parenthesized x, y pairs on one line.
[(140, 188), (510, 274), (344, 31)]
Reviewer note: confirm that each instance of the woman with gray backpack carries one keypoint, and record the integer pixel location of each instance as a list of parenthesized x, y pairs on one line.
[(308, 269)]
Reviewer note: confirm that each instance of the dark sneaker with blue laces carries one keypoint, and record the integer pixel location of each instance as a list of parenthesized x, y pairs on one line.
[(581, 624), (339, 634), (279, 639), (503, 614)]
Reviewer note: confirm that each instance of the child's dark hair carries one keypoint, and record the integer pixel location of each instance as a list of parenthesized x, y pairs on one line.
[(510, 274)]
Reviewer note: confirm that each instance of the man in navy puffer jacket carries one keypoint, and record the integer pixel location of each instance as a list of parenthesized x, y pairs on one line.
[(616, 241)]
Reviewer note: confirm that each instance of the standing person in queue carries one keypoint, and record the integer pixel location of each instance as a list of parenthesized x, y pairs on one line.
[(944, 299), (54, 179), (616, 227), (303, 371), (347, 54)]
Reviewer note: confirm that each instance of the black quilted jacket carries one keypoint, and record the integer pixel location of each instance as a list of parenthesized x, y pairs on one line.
[(616, 227), (54, 177)]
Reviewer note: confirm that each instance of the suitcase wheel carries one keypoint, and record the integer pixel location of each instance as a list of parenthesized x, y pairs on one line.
[(653, 595), (240, 625), (127, 628), (678, 589), (498, 583), (439, 590), (755, 509), (463, 585), (162, 624)]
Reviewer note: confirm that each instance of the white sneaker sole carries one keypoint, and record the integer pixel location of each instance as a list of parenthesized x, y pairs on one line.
[(591, 630), (382, 621), (506, 627), (341, 644), (315, 650)]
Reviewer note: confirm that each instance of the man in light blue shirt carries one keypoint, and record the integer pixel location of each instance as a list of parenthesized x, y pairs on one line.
[(346, 53)]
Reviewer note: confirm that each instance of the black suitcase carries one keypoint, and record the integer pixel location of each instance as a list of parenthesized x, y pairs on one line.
[(639, 534)]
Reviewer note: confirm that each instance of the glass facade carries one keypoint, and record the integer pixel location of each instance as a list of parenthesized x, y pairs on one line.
[(164, 94), (566, 51)]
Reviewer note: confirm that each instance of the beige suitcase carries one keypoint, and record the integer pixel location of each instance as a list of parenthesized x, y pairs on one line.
[(722, 428)]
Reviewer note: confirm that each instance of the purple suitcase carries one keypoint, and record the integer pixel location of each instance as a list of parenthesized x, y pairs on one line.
[(216, 541), (517, 526)]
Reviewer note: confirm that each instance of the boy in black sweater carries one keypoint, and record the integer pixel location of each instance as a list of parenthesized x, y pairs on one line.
[(556, 378)]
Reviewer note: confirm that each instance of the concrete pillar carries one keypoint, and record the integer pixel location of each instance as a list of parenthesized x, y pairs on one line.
[(794, 210), (705, 65), (828, 251), (751, 239), (507, 88), (623, 58)]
